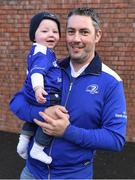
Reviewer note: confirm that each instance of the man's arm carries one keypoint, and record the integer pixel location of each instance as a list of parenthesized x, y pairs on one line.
[(112, 133)]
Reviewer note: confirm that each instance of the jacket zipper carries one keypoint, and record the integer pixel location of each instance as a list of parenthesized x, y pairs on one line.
[(49, 174), (70, 87)]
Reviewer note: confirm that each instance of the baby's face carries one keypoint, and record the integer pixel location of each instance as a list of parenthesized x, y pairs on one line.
[(47, 33)]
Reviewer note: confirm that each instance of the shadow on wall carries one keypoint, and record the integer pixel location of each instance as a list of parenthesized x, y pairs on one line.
[(108, 165)]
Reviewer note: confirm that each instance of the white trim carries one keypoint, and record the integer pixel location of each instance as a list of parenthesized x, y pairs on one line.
[(111, 72), (40, 48)]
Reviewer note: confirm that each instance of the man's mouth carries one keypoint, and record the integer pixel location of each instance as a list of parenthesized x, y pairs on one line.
[(77, 46)]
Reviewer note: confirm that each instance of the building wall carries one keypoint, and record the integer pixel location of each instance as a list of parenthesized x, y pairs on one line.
[(117, 47)]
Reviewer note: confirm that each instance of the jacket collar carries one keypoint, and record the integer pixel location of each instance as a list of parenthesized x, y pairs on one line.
[(94, 67)]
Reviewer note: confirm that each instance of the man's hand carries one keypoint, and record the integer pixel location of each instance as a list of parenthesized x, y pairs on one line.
[(56, 120), (52, 111)]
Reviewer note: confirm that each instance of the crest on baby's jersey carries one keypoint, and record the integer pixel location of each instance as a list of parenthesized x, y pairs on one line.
[(59, 79), (55, 64)]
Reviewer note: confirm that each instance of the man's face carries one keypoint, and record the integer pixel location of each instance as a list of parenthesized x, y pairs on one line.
[(81, 39)]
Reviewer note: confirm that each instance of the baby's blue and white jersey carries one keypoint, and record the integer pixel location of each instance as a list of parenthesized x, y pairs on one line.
[(43, 60)]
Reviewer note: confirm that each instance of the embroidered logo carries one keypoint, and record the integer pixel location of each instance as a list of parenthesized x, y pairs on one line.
[(121, 115), (59, 80), (92, 89), (55, 64)]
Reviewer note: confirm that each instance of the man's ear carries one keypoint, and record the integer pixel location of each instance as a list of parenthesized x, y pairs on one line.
[(98, 35)]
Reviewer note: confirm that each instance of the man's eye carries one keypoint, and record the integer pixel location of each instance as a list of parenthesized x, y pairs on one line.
[(84, 33), (70, 32)]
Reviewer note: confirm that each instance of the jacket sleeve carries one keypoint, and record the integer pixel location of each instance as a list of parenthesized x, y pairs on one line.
[(111, 134)]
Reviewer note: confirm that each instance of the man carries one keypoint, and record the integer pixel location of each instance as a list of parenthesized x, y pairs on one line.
[(94, 97)]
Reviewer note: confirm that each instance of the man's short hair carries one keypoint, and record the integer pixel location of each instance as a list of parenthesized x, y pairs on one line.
[(86, 11)]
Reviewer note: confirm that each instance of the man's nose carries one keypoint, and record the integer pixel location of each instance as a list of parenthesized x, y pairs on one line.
[(77, 36)]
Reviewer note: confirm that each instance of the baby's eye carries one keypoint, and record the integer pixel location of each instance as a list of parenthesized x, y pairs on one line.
[(44, 31), (55, 32)]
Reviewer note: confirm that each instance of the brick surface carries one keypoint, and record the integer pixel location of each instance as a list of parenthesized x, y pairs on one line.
[(117, 47)]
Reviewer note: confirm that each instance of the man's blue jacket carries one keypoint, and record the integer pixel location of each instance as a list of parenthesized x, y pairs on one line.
[(96, 104)]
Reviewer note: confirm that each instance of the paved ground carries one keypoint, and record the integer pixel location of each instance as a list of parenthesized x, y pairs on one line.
[(108, 165)]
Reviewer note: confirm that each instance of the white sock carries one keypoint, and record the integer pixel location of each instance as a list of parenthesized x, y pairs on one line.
[(22, 147), (38, 153)]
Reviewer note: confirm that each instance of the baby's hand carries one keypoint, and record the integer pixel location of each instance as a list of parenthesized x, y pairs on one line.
[(39, 94)]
